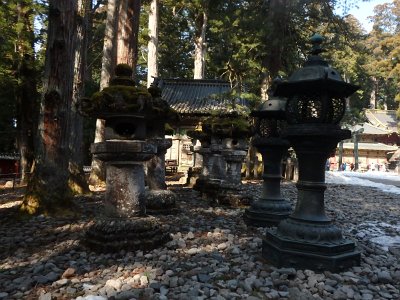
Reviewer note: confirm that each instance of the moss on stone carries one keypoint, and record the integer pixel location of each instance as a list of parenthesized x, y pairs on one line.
[(228, 126), (122, 80), (154, 91), (123, 70), (119, 99)]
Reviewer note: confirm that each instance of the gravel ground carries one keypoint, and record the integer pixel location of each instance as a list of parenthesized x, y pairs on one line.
[(213, 254)]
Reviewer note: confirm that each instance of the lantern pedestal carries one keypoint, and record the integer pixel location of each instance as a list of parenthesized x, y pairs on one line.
[(308, 239), (271, 208), (159, 200), (124, 224), (234, 160)]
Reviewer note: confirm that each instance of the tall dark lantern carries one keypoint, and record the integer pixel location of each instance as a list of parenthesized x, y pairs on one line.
[(316, 104), (271, 207)]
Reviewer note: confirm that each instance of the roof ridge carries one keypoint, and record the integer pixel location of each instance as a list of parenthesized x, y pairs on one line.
[(378, 121)]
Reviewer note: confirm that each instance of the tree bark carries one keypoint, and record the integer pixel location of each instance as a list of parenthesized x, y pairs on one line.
[(200, 46), (128, 32), (77, 181), (48, 190), (265, 80), (152, 63), (278, 15)]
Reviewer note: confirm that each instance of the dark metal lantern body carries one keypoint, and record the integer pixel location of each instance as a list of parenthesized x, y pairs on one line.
[(316, 93), (271, 207), (316, 104)]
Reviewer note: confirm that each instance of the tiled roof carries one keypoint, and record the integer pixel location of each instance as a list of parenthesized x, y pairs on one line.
[(371, 146), (370, 129), (197, 96), (385, 119), (9, 156)]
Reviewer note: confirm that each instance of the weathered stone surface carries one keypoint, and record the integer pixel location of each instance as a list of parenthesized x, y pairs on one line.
[(161, 202), (110, 235)]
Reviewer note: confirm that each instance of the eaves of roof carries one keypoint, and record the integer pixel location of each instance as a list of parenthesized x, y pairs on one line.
[(197, 96), (371, 146)]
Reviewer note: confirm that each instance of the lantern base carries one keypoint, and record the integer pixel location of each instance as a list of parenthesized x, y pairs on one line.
[(300, 254), (221, 192), (115, 234), (268, 214)]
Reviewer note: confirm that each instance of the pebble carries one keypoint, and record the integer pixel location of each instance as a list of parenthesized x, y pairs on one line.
[(384, 277), (212, 255)]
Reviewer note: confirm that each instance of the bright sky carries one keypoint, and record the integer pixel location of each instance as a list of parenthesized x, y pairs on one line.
[(365, 10)]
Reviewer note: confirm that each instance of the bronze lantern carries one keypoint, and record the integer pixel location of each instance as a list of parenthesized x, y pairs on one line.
[(271, 207), (316, 102)]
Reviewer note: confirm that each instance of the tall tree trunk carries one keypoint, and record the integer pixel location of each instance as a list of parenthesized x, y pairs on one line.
[(265, 80), (97, 175), (48, 190), (128, 32), (77, 181), (152, 63), (372, 100), (26, 94), (278, 14), (200, 46)]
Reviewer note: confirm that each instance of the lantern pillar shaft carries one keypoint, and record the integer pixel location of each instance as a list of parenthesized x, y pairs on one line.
[(307, 238), (271, 207)]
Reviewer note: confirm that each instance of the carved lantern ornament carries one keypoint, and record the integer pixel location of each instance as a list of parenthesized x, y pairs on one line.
[(316, 93)]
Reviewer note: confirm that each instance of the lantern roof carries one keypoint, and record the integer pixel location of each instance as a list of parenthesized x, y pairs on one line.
[(316, 76), (274, 107)]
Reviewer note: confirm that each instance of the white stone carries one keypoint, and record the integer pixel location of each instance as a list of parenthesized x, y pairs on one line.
[(114, 283), (193, 251), (136, 278), (144, 280), (60, 282), (91, 297), (46, 296), (222, 246)]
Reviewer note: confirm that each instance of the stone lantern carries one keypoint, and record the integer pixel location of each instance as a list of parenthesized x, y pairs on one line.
[(159, 200), (198, 175), (271, 207), (223, 140), (316, 102), (124, 223)]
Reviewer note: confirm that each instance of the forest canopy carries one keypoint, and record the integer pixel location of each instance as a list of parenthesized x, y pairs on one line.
[(245, 42)]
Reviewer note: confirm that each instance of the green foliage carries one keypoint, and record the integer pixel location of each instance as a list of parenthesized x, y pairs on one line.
[(384, 62), (18, 66), (117, 98)]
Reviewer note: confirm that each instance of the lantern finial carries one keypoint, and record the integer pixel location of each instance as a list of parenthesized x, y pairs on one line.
[(316, 40)]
